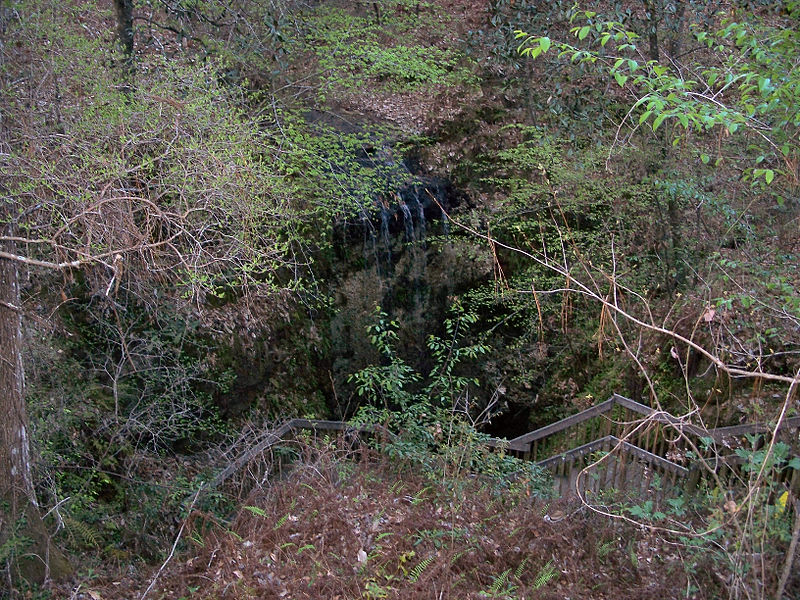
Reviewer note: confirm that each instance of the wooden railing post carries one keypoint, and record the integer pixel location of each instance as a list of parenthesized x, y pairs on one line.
[(794, 483), (694, 478)]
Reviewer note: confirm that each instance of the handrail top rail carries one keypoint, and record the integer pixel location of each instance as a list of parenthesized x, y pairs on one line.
[(599, 443), (661, 416), (745, 428), (523, 442), (567, 422)]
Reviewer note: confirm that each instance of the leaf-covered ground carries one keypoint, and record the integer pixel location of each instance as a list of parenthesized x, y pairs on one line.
[(340, 529)]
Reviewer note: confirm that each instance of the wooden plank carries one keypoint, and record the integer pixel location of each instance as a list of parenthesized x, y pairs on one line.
[(507, 444), (745, 428), (269, 440), (579, 451), (632, 405), (660, 416), (794, 483), (616, 442), (566, 423)]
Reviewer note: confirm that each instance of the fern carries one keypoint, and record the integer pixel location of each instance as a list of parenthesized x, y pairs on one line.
[(285, 517), (500, 582), (417, 571), (256, 511), (419, 496), (545, 576), (518, 571), (86, 534), (281, 521), (461, 553), (605, 548), (197, 538)]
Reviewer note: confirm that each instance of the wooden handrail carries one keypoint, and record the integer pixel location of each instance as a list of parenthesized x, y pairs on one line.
[(276, 436), (613, 440), (507, 444), (565, 423), (659, 416), (602, 408), (745, 428), (523, 442)]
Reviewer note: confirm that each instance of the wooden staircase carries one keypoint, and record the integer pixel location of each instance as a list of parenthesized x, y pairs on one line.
[(623, 444), (618, 444)]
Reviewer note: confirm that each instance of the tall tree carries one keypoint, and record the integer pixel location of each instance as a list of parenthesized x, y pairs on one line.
[(19, 511), (166, 188)]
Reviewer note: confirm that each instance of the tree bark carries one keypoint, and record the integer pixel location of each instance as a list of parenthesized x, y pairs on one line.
[(651, 18), (680, 19), (124, 10), (33, 557)]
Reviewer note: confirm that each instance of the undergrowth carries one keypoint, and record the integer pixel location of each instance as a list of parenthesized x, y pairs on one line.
[(337, 528)]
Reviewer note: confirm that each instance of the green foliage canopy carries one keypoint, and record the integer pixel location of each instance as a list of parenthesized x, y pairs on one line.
[(740, 78)]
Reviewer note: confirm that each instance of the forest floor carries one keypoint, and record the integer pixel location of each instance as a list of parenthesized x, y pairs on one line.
[(343, 527)]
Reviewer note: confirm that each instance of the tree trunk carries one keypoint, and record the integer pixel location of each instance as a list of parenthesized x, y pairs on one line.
[(124, 10), (23, 535), (32, 556), (651, 18), (677, 30)]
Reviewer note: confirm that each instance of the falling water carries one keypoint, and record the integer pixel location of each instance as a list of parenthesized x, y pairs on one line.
[(387, 242), (420, 215), (408, 221), (369, 238)]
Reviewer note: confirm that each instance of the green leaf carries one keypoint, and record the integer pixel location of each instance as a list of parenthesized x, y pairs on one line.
[(544, 43), (769, 175), (705, 158), (659, 120), (645, 116), (684, 120), (533, 52), (583, 32), (621, 79)]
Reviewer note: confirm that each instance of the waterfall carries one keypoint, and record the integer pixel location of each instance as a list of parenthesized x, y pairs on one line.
[(387, 242), (408, 221), (369, 238), (420, 215)]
